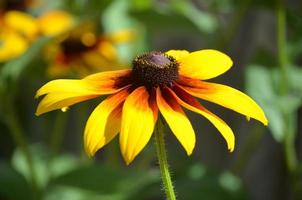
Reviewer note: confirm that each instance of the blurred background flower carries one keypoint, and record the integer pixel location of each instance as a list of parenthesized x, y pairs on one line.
[(42, 158), (84, 50), (17, 28)]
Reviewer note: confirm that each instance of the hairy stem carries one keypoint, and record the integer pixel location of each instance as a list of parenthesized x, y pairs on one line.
[(163, 162)]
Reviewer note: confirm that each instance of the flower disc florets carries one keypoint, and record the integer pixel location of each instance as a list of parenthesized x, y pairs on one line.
[(14, 5), (154, 69), (73, 46)]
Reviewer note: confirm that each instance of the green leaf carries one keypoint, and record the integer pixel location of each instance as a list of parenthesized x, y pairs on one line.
[(45, 167), (179, 14), (64, 192), (155, 20), (65, 176), (141, 5), (259, 83), (260, 86), (38, 158), (290, 102), (264, 84), (201, 182), (116, 18), (107, 180), (295, 78), (204, 21), (12, 184)]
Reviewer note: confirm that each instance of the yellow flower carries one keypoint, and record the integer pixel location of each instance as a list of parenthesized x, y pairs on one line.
[(26, 28), (16, 5), (22, 23), (12, 45), (55, 22), (83, 50), (18, 29), (163, 82)]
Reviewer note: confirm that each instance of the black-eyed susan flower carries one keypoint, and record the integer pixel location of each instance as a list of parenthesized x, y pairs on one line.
[(12, 45), (55, 22), (15, 4), (17, 29), (22, 23), (26, 28), (84, 50), (13, 16), (163, 82)]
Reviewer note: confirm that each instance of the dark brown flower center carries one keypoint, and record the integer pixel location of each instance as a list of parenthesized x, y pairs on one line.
[(74, 47), (14, 5), (154, 69)]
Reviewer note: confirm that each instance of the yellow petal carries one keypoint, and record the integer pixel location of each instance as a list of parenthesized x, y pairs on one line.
[(88, 39), (177, 121), (107, 49), (64, 93), (204, 64), (56, 101), (192, 104), (109, 76), (99, 83), (104, 123), (57, 69), (22, 23), (177, 54), (12, 45), (68, 86), (55, 22), (121, 36), (225, 96), (138, 122)]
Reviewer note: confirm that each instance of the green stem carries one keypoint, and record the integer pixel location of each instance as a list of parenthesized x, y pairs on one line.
[(289, 129), (58, 132), (163, 163), (281, 42), (56, 140), (234, 24), (289, 144), (18, 136)]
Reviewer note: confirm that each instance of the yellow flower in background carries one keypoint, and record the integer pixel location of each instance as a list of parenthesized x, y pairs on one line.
[(21, 5), (55, 22), (17, 29), (12, 45), (22, 23), (28, 28), (13, 16), (76, 46), (157, 81), (83, 50)]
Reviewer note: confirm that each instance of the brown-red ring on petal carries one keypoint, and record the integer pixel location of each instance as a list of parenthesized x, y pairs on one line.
[(189, 82), (123, 80), (168, 97), (186, 97)]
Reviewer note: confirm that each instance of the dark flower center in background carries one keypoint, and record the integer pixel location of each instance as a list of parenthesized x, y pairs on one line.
[(74, 47), (14, 5), (154, 69)]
